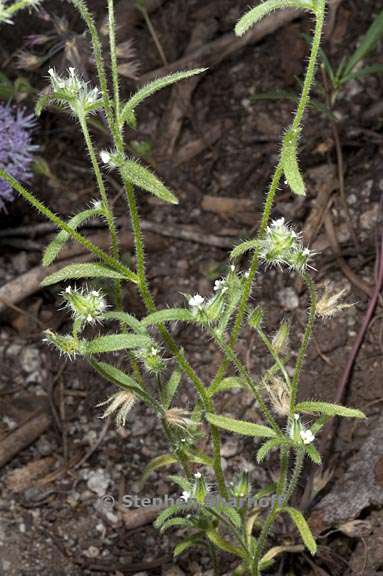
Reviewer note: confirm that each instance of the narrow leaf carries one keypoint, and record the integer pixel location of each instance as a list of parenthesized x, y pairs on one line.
[(241, 426), (304, 529), (181, 522), (116, 376), (268, 446), (313, 453), (169, 390), (185, 545), (167, 315), (290, 162), (224, 545), (256, 14), (53, 249), (368, 43), (243, 248), (143, 178), (77, 271), (152, 88), (168, 513), (329, 409), (155, 463), (229, 383), (125, 318), (114, 342)]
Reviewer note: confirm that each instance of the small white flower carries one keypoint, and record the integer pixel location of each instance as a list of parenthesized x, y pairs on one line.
[(307, 436), (105, 156), (218, 284), (198, 475), (154, 351), (186, 495), (196, 301), (232, 268), (296, 417)]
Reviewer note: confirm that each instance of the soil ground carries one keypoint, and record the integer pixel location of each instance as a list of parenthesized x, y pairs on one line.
[(52, 522)]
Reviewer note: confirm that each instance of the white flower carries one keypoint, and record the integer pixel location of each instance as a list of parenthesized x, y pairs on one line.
[(307, 436), (219, 285), (186, 495), (84, 305), (105, 156), (232, 268), (198, 475), (196, 301)]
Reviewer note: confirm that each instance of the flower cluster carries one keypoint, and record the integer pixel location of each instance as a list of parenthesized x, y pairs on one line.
[(299, 433), (16, 148), (281, 245), (85, 306), (151, 359), (74, 92), (67, 345)]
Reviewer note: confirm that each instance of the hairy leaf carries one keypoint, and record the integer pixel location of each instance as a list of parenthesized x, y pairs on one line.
[(268, 446), (229, 383), (181, 522), (114, 342), (256, 14), (304, 529), (290, 162), (243, 248), (116, 376), (169, 390), (155, 463), (313, 453), (241, 426), (143, 178), (185, 545), (329, 409), (167, 315), (77, 271), (127, 114), (223, 544), (125, 318), (55, 246), (168, 513)]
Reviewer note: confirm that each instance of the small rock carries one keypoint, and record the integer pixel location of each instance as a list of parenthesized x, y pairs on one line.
[(288, 298), (173, 571), (369, 219), (98, 482), (230, 448), (92, 552)]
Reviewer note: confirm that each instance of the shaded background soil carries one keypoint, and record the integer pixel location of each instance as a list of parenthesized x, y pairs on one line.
[(218, 159)]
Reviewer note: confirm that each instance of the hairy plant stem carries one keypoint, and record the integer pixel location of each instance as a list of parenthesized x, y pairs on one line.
[(305, 342), (233, 358), (113, 60), (106, 204), (277, 508)]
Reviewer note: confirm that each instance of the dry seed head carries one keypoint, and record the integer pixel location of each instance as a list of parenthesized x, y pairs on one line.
[(279, 394), (329, 304), (179, 418), (281, 339), (120, 404)]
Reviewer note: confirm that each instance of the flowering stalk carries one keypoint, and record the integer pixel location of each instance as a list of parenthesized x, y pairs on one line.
[(227, 525)]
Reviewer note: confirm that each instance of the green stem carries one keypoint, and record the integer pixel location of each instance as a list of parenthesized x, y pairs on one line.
[(305, 342), (105, 201), (113, 60), (168, 339), (233, 358), (109, 260)]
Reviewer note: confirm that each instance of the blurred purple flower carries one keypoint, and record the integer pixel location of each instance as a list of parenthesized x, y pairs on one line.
[(16, 148)]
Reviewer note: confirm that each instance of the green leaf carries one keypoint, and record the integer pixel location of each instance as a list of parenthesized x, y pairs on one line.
[(125, 318), (290, 162), (275, 95), (232, 515), (268, 446), (181, 522), (181, 482), (318, 424), (329, 409), (168, 513), (127, 113), (185, 545), (223, 544), (119, 378), (77, 271), (241, 426), (169, 390), (368, 43), (243, 248), (167, 315), (155, 463), (53, 249), (229, 383), (313, 453), (304, 529), (42, 103), (143, 178), (256, 14), (114, 342), (366, 71)]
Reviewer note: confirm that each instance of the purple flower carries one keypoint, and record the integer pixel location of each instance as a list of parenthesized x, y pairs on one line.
[(16, 148)]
